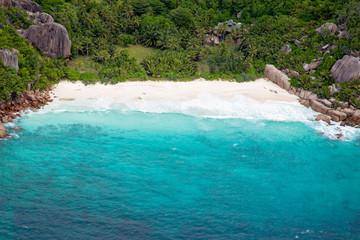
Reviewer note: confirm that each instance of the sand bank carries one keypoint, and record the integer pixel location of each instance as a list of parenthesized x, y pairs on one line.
[(260, 90)]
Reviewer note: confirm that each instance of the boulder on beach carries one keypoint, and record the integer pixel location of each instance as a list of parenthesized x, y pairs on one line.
[(318, 107), (346, 69), (277, 77), (322, 117), (3, 132), (51, 38), (337, 116)]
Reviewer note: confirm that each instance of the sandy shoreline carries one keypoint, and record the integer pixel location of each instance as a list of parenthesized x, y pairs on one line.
[(261, 90)]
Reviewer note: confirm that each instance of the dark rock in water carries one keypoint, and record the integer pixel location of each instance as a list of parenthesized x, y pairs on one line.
[(26, 5), (346, 69), (16, 129), (4, 120), (339, 136), (9, 59), (51, 38), (3, 132), (322, 117)]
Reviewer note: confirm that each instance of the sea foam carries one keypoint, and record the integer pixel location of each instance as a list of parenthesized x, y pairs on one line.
[(210, 106)]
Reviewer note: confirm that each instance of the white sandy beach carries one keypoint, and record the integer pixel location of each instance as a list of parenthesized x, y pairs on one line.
[(260, 90)]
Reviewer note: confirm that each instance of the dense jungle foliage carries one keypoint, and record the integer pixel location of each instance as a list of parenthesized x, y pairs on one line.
[(179, 30)]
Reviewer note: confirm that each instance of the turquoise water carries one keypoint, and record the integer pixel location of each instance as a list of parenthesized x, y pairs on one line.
[(134, 175)]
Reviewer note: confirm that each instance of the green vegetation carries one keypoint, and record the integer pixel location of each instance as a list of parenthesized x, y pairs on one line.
[(167, 38), (136, 51), (34, 69)]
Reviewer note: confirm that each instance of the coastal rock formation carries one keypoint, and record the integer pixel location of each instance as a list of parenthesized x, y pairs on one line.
[(26, 5), (27, 100), (51, 38), (3, 132), (346, 69), (337, 116), (329, 108), (319, 107), (322, 117), (277, 77), (9, 58), (330, 28)]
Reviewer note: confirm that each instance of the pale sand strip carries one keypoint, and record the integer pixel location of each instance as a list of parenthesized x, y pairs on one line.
[(260, 90)]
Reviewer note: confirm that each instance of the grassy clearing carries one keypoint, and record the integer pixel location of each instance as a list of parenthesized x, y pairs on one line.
[(136, 51), (83, 64)]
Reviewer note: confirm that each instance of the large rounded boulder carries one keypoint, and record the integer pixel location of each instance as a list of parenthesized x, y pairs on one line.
[(51, 38), (346, 69)]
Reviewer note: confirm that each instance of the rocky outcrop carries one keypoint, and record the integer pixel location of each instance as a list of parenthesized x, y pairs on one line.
[(28, 100), (41, 18), (51, 38), (26, 5), (277, 77), (322, 117), (313, 65), (294, 74), (319, 107), (3, 132), (329, 28), (286, 49), (346, 69), (337, 116), (9, 58), (329, 108)]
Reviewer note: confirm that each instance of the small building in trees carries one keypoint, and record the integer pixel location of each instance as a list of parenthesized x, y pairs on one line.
[(221, 31), (230, 25)]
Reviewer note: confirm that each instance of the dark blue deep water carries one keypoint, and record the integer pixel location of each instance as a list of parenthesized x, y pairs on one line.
[(133, 175)]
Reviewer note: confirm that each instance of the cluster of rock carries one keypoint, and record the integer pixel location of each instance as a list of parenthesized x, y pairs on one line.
[(27, 100), (329, 109), (51, 38)]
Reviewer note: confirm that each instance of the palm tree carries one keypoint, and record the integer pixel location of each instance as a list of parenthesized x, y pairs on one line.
[(221, 29), (128, 12), (236, 34)]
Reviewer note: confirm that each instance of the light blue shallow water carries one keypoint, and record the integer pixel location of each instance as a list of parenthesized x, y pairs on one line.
[(133, 175)]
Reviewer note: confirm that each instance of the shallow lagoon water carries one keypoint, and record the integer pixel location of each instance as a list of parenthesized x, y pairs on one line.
[(120, 174)]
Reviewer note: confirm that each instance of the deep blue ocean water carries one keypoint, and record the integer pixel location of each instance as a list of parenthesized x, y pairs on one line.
[(134, 175)]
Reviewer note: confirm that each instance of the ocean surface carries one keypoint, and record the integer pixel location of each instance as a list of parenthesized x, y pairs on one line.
[(206, 168)]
